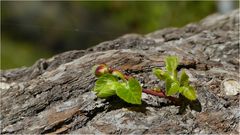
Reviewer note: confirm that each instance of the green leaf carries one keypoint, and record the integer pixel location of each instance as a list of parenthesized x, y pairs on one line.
[(168, 83), (189, 92), (173, 89), (171, 64), (184, 79), (130, 91), (160, 74), (106, 86)]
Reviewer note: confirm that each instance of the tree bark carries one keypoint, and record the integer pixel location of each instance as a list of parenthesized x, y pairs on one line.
[(54, 95)]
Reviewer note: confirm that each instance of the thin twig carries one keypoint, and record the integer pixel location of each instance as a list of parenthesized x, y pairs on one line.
[(161, 94)]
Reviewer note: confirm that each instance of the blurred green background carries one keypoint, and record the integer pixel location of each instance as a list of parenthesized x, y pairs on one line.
[(33, 30)]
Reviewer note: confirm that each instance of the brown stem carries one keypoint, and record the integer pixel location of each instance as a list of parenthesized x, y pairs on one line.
[(162, 95)]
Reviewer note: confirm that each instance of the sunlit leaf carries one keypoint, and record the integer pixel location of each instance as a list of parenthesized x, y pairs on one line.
[(160, 74), (173, 89), (189, 92), (184, 79), (106, 86), (168, 83), (130, 91), (171, 64)]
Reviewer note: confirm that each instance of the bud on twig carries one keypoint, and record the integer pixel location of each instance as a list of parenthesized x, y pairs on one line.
[(118, 73), (101, 69)]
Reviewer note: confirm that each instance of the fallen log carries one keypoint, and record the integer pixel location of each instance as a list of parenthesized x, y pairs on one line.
[(54, 95)]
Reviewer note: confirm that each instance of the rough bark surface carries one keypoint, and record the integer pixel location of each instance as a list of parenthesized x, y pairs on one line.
[(54, 95)]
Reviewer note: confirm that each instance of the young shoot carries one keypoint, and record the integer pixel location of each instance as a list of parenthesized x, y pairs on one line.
[(173, 83), (113, 82)]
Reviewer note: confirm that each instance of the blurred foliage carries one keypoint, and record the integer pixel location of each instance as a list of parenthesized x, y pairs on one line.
[(13, 55), (31, 30)]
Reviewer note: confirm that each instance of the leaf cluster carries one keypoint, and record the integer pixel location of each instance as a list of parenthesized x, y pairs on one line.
[(175, 84), (114, 83)]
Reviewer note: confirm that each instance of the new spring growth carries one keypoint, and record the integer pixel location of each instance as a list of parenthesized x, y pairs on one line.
[(175, 84), (113, 82), (100, 70), (118, 74)]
